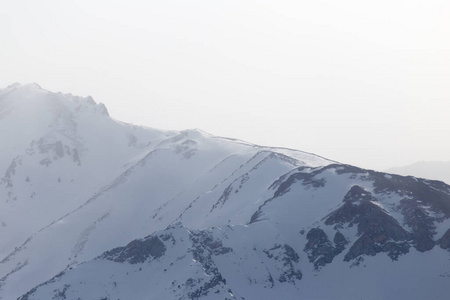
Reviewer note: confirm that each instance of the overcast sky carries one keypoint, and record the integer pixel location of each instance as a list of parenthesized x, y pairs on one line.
[(360, 82)]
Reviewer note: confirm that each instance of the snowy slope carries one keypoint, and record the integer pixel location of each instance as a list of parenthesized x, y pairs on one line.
[(74, 168), (221, 218), (56, 151), (241, 262), (345, 246)]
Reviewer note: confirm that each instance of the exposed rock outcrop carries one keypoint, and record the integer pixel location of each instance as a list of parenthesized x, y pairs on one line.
[(444, 241), (378, 231), (319, 248)]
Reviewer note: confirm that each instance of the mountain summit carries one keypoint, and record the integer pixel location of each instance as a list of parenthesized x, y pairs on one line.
[(92, 208)]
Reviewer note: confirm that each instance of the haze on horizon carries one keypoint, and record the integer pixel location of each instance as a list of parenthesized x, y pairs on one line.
[(361, 83)]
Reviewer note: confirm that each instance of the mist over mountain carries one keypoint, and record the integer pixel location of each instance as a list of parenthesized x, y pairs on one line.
[(437, 170), (93, 208)]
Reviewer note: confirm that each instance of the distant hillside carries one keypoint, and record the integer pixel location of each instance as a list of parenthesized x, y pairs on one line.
[(437, 170)]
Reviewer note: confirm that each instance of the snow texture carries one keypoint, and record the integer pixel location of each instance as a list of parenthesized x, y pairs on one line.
[(92, 208)]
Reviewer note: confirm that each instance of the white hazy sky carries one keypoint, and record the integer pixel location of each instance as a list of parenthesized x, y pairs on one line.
[(360, 82)]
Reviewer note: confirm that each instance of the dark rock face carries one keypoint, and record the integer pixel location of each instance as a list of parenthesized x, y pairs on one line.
[(137, 251), (434, 194), (203, 250), (373, 220), (254, 218), (289, 258), (319, 248), (208, 243), (422, 198), (421, 223), (367, 244), (349, 210), (307, 179), (444, 241), (424, 204), (340, 242), (379, 232), (357, 193)]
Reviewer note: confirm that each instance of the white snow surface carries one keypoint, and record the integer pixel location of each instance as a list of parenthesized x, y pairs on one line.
[(77, 183)]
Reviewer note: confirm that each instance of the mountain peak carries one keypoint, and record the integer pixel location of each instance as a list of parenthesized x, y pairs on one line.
[(14, 85), (37, 114), (92, 208), (34, 99), (27, 86), (32, 85)]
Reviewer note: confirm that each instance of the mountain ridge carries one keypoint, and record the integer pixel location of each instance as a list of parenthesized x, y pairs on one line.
[(252, 222), (435, 170)]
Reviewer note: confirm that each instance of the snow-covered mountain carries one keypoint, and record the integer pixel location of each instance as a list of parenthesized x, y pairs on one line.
[(92, 208), (436, 170)]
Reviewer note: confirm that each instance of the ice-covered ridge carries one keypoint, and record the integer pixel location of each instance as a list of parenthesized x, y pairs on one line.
[(88, 184)]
